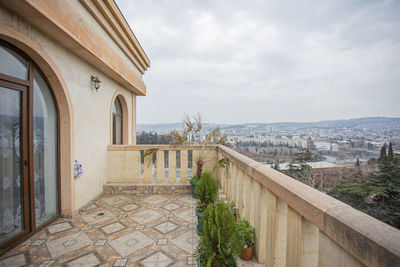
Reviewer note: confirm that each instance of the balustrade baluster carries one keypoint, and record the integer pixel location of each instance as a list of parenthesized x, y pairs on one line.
[(133, 166), (309, 256), (148, 168), (293, 243), (271, 205), (184, 166), (280, 233), (160, 167), (172, 166)]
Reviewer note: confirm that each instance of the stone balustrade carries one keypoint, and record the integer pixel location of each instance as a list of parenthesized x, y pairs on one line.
[(296, 225), (159, 164)]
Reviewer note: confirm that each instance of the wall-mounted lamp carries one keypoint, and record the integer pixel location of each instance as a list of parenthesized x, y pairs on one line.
[(95, 81)]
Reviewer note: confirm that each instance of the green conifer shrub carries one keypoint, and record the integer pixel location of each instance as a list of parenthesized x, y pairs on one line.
[(207, 190), (219, 245)]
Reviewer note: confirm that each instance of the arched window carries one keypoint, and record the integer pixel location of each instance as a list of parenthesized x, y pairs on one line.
[(117, 122)]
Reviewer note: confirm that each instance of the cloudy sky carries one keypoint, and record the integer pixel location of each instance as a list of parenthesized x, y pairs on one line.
[(268, 61)]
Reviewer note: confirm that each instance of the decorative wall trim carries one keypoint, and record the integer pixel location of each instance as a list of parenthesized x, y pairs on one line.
[(60, 21), (111, 19)]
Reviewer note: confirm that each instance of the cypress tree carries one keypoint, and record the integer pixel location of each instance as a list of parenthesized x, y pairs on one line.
[(383, 153), (390, 151), (386, 184)]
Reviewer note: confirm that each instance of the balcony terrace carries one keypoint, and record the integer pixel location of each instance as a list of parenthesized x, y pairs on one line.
[(146, 218)]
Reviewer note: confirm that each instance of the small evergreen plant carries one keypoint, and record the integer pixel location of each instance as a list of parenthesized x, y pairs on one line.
[(219, 244), (207, 190)]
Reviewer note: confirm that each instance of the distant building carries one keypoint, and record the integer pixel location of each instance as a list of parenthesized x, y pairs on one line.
[(315, 165), (325, 146)]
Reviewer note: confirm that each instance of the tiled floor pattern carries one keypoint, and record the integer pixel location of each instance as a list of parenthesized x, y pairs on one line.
[(153, 230)]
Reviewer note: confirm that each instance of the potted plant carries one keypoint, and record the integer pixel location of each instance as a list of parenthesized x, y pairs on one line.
[(207, 191), (247, 237), (194, 182), (192, 134), (219, 245)]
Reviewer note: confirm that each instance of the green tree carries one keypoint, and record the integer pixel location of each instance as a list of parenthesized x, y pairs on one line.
[(385, 184), (382, 155), (207, 190), (390, 151), (219, 244), (301, 171), (378, 195)]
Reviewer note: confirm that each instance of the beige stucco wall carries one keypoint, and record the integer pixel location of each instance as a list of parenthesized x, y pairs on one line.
[(91, 110)]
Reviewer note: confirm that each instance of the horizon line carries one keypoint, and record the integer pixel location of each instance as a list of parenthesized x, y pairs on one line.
[(381, 117)]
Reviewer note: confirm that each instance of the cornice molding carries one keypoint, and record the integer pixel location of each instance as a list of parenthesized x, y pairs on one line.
[(60, 21), (110, 18)]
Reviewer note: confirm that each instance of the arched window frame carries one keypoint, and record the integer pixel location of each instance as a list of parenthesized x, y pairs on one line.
[(124, 114)]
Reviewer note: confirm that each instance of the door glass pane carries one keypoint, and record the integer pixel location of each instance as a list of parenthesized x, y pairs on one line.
[(11, 198), (13, 64), (45, 151)]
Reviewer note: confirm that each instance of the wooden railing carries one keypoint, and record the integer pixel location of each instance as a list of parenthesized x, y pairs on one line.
[(155, 163), (297, 225)]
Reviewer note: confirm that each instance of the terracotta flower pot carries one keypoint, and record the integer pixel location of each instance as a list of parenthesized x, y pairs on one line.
[(247, 253)]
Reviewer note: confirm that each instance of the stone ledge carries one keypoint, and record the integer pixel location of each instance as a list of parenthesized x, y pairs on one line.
[(368, 240), (145, 189)]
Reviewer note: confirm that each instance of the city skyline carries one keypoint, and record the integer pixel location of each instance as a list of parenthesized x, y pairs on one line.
[(276, 122), (238, 62)]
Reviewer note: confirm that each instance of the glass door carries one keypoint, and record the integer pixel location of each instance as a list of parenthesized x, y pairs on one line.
[(14, 214), (29, 180), (44, 151)]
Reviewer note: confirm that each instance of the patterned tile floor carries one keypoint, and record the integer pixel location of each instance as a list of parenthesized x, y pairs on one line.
[(117, 230)]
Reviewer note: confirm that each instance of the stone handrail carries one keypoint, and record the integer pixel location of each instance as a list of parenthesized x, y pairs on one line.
[(125, 163), (297, 225)]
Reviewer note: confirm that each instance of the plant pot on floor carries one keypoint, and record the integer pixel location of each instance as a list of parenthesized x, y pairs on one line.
[(194, 182), (194, 187), (247, 236), (246, 254), (199, 213)]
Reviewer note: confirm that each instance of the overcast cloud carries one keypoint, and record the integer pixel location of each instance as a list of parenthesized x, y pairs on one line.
[(268, 61)]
